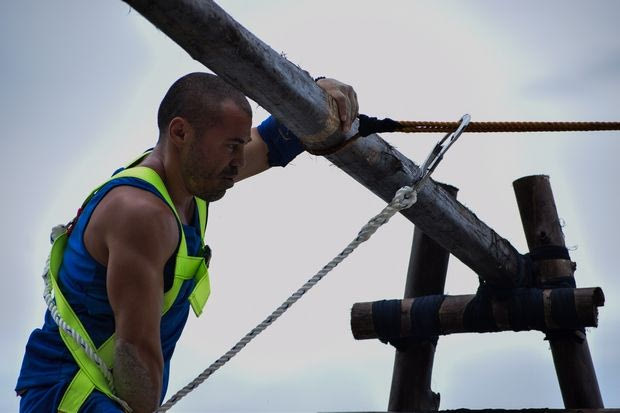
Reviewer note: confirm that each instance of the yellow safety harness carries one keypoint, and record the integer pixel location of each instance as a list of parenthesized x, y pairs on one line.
[(91, 376)]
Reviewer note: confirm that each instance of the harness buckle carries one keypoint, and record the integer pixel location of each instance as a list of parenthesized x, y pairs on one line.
[(206, 254)]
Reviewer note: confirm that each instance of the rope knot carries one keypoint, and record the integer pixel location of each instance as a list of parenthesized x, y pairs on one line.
[(405, 197)]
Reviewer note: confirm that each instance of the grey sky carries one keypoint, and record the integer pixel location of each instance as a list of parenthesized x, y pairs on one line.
[(81, 82)]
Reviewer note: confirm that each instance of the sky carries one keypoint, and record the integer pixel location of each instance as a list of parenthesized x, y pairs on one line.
[(81, 82)]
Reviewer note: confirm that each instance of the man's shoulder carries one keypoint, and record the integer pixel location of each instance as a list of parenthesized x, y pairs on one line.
[(126, 199), (135, 210), (131, 219)]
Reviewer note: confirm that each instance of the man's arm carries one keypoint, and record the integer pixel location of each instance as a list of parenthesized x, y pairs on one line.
[(256, 157), (256, 151), (136, 234)]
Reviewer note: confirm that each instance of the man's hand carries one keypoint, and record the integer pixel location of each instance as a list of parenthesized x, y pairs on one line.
[(345, 98), (256, 152)]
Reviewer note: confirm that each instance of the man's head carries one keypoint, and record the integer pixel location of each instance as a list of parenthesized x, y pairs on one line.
[(197, 97), (206, 122)]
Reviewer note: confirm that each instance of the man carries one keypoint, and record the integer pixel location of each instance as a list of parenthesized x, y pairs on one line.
[(132, 261)]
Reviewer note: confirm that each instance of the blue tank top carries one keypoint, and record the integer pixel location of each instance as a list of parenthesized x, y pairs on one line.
[(47, 362)]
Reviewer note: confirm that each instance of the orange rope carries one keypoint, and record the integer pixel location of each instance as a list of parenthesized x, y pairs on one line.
[(374, 125), (419, 126)]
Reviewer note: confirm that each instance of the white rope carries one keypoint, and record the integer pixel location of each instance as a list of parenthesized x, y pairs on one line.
[(404, 198), (48, 296)]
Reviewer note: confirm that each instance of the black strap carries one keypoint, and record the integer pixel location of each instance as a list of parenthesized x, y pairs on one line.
[(424, 313), (386, 319), (549, 252), (369, 125)]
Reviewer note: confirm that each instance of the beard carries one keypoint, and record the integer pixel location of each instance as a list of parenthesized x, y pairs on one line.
[(203, 182), (212, 196)]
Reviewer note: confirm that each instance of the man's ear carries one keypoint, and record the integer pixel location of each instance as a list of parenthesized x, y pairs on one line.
[(179, 131)]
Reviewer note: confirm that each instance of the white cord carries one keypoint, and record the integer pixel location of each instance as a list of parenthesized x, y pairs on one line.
[(404, 198), (48, 296)]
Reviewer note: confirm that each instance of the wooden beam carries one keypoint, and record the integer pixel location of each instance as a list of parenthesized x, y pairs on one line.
[(413, 365), (525, 309), (215, 39), (571, 353), (544, 410)]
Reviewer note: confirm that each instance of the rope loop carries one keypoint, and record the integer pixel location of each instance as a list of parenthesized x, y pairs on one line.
[(405, 197)]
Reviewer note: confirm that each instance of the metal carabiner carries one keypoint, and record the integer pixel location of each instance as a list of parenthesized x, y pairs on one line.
[(439, 150)]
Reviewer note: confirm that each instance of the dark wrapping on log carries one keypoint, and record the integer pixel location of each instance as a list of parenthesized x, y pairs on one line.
[(550, 259), (519, 310)]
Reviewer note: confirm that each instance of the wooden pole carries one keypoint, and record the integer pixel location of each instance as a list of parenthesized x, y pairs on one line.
[(413, 366), (215, 39), (462, 314), (571, 354), (514, 411)]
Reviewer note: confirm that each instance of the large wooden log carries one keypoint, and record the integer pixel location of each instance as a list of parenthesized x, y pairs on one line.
[(523, 310), (571, 353), (413, 364), (544, 410), (215, 39)]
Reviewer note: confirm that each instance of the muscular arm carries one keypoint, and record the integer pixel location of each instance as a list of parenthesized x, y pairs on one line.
[(255, 157), (135, 234)]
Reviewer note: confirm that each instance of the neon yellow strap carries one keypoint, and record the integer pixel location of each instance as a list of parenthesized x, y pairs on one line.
[(202, 289), (88, 368), (187, 267), (203, 215), (184, 270), (81, 386), (150, 176), (76, 394)]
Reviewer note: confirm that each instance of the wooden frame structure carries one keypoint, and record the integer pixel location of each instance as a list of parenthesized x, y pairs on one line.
[(443, 225), (571, 355)]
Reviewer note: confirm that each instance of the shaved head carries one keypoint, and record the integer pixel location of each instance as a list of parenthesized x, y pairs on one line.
[(197, 97)]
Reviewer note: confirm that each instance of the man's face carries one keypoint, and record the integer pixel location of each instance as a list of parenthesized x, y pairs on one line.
[(211, 161)]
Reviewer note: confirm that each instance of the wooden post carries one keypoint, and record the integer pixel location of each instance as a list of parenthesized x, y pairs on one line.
[(553, 309), (571, 354), (516, 411), (413, 367), (215, 39)]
